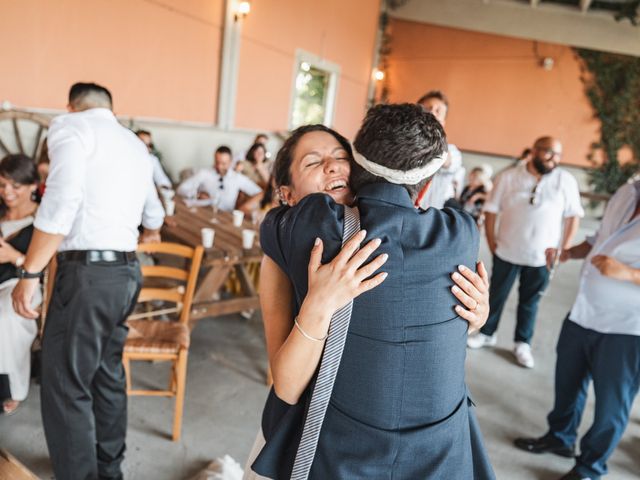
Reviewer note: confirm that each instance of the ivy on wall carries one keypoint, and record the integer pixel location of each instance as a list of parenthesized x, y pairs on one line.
[(612, 84)]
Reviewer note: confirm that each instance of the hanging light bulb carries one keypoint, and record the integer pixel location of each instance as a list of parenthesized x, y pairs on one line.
[(378, 75)]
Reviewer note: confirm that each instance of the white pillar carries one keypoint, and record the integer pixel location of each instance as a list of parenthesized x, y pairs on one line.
[(228, 85)]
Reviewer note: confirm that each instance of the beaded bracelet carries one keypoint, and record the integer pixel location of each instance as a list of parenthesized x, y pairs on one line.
[(306, 335)]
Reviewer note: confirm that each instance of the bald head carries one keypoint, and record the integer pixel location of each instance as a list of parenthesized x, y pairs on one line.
[(83, 96), (546, 154)]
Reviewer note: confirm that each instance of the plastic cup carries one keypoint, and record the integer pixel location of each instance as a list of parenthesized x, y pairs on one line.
[(169, 207), (208, 234), (248, 237), (167, 194), (238, 217)]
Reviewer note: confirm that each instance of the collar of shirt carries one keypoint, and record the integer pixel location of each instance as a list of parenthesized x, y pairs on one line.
[(388, 193)]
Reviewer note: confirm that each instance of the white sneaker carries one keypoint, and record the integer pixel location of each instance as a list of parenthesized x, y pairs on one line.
[(522, 352), (479, 340)]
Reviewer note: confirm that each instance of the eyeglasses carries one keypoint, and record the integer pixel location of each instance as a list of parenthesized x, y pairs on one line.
[(533, 198), (549, 152)]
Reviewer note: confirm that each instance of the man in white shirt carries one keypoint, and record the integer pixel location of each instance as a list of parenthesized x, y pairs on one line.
[(600, 340), (160, 177), (99, 190), (448, 182), (222, 184), (538, 206)]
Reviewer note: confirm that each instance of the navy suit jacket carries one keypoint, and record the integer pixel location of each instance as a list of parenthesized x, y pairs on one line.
[(400, 389)]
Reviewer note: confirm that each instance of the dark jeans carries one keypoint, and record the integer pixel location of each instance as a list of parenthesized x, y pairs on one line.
[(84, 401), (613, 362), (533, 281)]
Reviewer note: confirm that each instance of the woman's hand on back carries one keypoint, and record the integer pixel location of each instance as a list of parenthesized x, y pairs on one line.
[(334, 284), (472, 289)]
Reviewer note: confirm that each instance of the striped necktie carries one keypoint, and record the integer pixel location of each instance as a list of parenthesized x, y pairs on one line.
[(328, 369)]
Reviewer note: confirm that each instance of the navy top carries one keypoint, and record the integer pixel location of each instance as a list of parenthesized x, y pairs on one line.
[(403, 365)]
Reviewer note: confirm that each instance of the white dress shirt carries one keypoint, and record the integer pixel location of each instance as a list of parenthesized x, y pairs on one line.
[(226, 188), (447, 182), (100, 184), (526, 230), (603, 303), (160, 178)]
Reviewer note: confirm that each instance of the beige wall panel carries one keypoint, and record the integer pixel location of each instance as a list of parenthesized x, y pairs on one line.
[(501, 98)]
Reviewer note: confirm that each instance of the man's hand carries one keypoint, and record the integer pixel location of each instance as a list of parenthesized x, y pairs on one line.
[(612, 268), (550, 254), (150, 236), (22, 296), (472, 289)]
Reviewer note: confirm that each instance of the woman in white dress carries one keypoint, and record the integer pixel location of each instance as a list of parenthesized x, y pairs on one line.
[(18, 204)]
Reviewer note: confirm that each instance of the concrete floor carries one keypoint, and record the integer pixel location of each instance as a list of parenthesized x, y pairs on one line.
[(225, 394)]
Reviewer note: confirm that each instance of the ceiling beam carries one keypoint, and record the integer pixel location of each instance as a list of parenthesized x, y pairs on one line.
[(551, 23)]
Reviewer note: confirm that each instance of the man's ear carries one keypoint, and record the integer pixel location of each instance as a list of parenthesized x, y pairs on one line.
[(422, 193), (286, 195)]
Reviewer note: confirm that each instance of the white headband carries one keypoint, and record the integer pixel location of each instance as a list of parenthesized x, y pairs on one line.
[(400, 177)]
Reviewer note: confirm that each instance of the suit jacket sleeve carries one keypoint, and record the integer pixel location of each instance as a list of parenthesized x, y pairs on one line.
[(287, 236)]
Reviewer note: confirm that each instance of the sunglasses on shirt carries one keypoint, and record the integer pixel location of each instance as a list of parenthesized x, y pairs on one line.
[(533, 198)]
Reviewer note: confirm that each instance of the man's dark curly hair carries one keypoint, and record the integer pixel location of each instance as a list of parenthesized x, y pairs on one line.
[(402, 137)]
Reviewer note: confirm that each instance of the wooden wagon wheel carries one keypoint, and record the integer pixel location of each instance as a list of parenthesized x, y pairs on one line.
[(22, 132)]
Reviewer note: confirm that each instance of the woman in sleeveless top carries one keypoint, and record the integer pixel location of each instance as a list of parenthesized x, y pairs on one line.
[(18, 203)]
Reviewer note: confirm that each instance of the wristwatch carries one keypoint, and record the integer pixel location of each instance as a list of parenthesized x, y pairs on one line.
[(22, 273)]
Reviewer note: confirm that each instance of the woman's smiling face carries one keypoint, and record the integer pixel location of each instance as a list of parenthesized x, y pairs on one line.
[(320, 164)]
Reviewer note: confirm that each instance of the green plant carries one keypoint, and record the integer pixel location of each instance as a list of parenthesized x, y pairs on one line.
[(612, 84)]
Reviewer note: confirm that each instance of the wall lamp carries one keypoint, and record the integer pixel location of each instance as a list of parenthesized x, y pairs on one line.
[(243, 8)]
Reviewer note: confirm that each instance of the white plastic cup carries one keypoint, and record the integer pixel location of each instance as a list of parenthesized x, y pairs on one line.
[(167, 194), (208, 234), (169, 207), (238, 217), (247, 238)]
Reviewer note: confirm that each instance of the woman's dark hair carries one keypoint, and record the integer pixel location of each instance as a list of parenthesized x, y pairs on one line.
[(251, 153), (269, 193), (20, 169), (282, 167), (402, 137)]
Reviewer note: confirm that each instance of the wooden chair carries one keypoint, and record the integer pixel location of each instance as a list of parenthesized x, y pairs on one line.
[(165, 340)]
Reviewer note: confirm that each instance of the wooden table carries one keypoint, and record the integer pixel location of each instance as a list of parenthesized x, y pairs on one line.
[(226, 256)]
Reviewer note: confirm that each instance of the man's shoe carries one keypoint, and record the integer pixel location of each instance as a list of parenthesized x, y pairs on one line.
[(480, 340), (522, 352), (546, 444), (573, 475)]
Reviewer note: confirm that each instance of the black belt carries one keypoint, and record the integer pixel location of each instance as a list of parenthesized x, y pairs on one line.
[(97, 256)]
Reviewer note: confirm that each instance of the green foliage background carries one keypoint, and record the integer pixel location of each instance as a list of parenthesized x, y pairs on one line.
[(612, 83)]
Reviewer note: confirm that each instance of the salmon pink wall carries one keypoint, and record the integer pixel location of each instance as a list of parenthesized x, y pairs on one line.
[(341, 32), (501, 99), (160, 58)]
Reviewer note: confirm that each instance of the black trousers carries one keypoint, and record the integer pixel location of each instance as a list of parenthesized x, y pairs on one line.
[(83, 395)]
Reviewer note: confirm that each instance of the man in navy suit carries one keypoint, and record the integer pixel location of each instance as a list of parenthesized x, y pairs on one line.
[(399, 406)]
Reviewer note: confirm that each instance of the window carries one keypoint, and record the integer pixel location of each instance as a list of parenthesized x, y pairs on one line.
[(314, 91)]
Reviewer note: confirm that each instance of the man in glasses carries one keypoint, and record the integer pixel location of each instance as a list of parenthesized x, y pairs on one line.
[(223, 183), (538, 205)]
